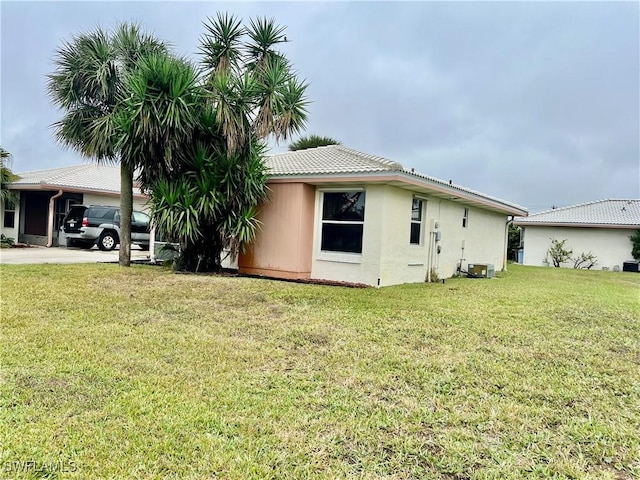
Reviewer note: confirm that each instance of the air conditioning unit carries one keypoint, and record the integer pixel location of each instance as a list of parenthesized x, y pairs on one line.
[(481, 270)]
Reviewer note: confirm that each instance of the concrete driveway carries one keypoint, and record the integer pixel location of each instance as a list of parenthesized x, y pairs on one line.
[(14, 256)]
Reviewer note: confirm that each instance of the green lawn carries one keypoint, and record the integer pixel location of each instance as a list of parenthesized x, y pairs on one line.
[(141, 373)]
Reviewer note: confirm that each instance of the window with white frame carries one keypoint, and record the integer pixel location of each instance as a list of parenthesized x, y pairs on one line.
[(342, 221), (416, 222), (9, 214), (465, 218)]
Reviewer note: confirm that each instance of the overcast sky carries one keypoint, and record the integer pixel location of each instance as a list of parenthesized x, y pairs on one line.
[(536, 103)]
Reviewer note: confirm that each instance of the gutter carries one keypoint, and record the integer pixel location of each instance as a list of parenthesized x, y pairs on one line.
[(50, 225)]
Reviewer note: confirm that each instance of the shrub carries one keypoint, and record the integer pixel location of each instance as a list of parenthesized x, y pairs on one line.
[(585, 260), (6, 242), (635, 249), (558, 253)]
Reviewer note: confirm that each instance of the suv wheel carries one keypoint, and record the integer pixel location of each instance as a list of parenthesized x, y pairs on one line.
[(107, 241)]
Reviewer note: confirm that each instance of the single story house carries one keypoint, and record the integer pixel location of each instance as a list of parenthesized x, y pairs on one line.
[(601, 227), (338, 214), (333, 213), (46, 195)]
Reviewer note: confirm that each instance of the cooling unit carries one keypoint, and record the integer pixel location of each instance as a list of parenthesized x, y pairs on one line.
[(481, 270)]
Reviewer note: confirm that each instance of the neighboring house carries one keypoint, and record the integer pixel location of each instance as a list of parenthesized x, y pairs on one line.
[(338, 214), (46, 195), (602, 227)]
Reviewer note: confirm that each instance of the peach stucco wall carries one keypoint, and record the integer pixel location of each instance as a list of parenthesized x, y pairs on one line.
[(284, 242)]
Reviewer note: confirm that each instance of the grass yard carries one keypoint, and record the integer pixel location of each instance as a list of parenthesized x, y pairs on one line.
[(141, 373)]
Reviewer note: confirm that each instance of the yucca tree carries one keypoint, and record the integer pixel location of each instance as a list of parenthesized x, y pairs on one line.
[(88, 84), (208, 130), (6, 177)]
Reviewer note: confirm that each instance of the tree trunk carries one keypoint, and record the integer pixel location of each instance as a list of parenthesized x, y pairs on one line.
[(202, 255), (126, 207)]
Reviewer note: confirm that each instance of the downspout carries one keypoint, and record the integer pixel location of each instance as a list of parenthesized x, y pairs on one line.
[(50, 227)]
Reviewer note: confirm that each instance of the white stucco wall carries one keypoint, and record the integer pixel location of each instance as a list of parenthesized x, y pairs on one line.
[(388, 257), (10, 232), (352, 267), (484, 236), (611, 246), (400, 261), (112, 200)]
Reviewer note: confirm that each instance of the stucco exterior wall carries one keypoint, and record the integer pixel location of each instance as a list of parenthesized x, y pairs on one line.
[(400, 261), (484, 237), (10, 232), (611, 246), (113, 200), (289, 243), (283, 244), (352, 267), (389, 256)]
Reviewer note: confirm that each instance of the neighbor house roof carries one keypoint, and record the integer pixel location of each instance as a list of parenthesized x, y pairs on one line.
[(335, 163), (599, 213), (85, 178)]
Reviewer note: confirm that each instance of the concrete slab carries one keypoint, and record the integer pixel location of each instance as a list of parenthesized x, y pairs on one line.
[(31, 255)]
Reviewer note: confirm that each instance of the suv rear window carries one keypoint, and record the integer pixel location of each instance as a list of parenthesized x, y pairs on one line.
[(76, 211), (103, 213)]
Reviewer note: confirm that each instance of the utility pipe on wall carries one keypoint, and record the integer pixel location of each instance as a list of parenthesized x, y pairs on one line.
[(51, 213)]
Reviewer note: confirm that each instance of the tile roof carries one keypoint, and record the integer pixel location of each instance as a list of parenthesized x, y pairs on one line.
[(327, 160), (333, 160), (599, 212), (88, 177), (336, 159), (462, 189)]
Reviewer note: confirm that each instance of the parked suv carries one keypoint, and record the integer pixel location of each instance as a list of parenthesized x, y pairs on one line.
[(85, 226)]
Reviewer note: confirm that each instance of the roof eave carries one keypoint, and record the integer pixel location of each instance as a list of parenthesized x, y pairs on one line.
[(67, 188), (407, 180), (525, 223)]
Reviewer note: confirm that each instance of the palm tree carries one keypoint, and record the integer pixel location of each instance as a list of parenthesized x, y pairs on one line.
[(209, 133), (7, 197), (89, 85), (312, 141)]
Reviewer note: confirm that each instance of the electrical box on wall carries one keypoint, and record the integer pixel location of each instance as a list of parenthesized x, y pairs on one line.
[(481, 270), (434, 225)]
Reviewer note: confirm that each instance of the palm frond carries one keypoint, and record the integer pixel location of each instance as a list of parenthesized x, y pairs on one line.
[(228, 95), (264, 34), (292, 115), (220, 46), (85, 72), (272, 77), (131, 45), (312, 141)]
